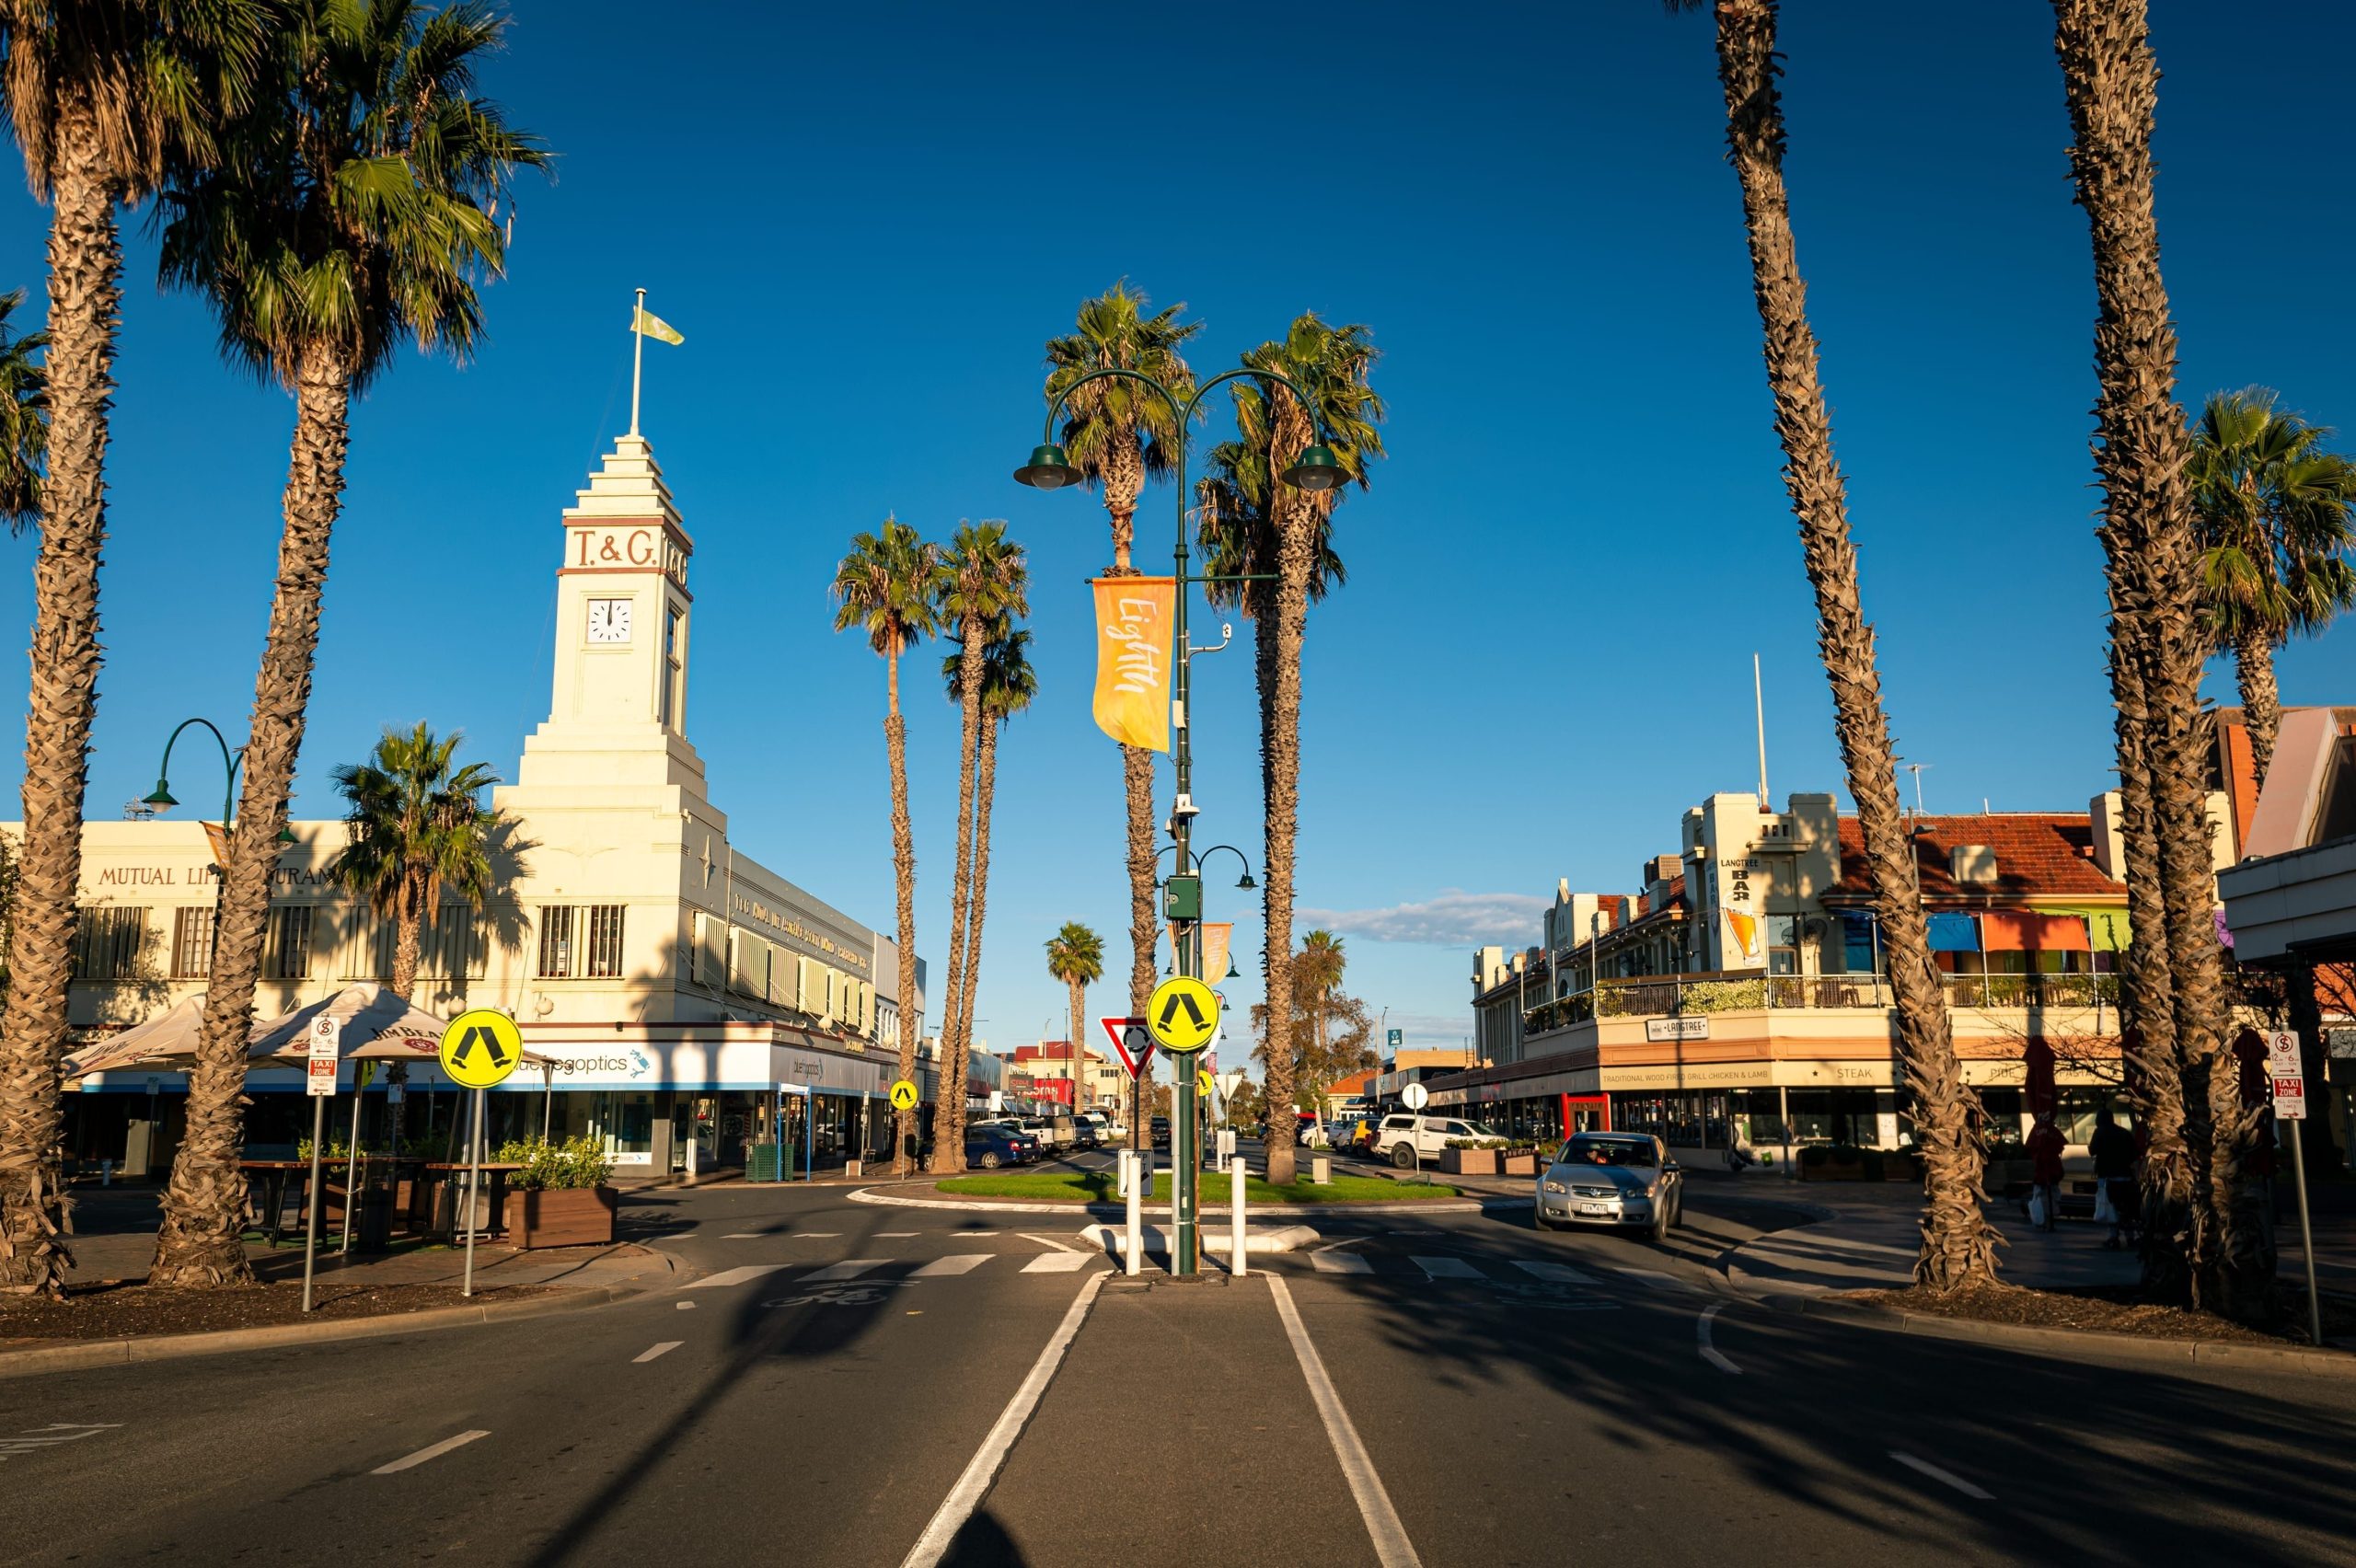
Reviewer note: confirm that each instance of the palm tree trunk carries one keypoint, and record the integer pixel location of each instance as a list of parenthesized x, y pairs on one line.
[(1296, 525), (2111, 82), (1078, 1047), (1958, 1246), (85, 269), (408, 920), (904, 877), (985, 782), (205, 1204), (949, 1110), (2262, 700)]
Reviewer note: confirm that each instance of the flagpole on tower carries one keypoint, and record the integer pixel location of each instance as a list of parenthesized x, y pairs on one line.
[(637, 356)]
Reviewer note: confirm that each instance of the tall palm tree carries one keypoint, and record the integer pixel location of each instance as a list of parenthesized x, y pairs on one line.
[(1119, 433), (1009, 684), (1288, 531), (887, 585), (2202, 1243), (984, 584), (2270, 509), (418, 828), (1076, 957), (105, 97), (1958, 1247), (356, 208), (1319, 969), (24, 420)]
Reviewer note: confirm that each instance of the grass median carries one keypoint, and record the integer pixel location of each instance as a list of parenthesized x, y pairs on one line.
[(1102, 1187)]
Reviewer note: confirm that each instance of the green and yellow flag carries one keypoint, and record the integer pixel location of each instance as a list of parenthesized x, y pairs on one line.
[(646, 321)]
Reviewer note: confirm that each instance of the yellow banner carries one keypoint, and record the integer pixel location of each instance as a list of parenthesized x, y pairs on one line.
[(1133, 616)]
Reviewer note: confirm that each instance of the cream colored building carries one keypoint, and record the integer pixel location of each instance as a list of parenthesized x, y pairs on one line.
[(684, 990)]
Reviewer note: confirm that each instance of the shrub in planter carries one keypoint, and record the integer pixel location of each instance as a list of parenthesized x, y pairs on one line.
[(558, 1198)]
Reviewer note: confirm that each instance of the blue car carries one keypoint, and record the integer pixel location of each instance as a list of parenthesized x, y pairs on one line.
[(990, 1148)]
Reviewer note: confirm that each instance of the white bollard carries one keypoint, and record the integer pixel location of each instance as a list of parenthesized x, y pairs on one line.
[(1236, 1181), (1135, 1263)]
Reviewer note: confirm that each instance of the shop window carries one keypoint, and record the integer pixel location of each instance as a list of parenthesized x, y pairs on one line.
[(1783, 944), (193, 942), (605, 941), (286, 942), (107, 946)]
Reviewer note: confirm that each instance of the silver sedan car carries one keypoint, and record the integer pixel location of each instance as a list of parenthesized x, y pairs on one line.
[(1616, 1179)]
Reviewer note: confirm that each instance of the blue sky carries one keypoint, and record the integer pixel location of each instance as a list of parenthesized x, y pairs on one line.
[(867, 220)]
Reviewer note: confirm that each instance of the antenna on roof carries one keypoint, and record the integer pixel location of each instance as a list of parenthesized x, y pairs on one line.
[(1758, 703), (1916, 768)]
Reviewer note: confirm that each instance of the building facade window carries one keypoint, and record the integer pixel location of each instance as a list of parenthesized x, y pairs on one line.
[(581, 942), (107, 946), (605, 941), (193, 941), (286, 943), (556, 941), (672, 693)]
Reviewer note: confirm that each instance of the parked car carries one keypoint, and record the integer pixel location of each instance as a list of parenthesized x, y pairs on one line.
[(1115, 1130), (1618, 1179), (1161, 1132), (1402, 1138), (991, 1146), (1085, 1133), (1053, 1131)]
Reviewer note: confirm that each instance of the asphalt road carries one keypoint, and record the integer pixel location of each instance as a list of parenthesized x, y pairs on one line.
[(854, 1385)]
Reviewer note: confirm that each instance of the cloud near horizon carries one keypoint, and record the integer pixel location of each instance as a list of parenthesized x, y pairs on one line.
[(1452, 918)]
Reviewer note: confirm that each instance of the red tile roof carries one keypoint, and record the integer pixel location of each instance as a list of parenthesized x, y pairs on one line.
[(2039, 855)]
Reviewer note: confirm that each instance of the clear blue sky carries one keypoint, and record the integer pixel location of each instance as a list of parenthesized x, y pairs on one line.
[(866, 220)]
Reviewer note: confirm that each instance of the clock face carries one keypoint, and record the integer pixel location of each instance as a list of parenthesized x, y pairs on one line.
[(609, 621)]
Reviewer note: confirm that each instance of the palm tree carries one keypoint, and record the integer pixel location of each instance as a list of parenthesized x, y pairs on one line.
[(1958, 1247), (356, 208), (24, 420), (886, 585), (418, 827), (1119, 433), (1076, 957), (105, 98), (1319, 969), (1288, 531), (1008, 684), (983, 583), (2202, 1245), (2270, 512)]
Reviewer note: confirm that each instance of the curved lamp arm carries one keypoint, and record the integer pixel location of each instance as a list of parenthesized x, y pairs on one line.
[(230, 761)]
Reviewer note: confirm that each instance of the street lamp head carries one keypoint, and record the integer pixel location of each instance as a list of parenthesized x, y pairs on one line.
[(1231, 968), (162, 799), (1247, 884), (1316, 469), (1049, 468)]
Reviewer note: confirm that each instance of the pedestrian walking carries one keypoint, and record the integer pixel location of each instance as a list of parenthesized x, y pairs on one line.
[(2113, 1148), (2045, 1145)]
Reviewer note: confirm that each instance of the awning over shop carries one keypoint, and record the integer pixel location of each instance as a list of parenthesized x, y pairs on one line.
[(2007, 930), (1952, 932)]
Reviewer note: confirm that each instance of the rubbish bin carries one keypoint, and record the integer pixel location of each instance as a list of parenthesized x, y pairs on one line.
[(375, 1233)]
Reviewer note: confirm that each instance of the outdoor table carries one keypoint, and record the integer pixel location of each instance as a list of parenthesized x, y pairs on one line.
[(274, 1174), (495, 1178)]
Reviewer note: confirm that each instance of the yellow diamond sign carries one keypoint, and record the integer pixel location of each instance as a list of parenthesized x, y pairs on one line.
[(1184, 1015), (481, 1048), (903, 1095)]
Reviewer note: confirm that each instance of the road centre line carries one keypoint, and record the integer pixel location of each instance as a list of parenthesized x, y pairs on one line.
[(1391, 1547), (1945, 1477), (982, 1470), (645, 1356), (1710, 1352), (430, 1451), (746, 1236), (897, 1234)]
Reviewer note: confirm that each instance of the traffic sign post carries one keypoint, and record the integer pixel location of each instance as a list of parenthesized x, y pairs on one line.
[(318, 1082), (1182, 1017), (1414, 1097), (2290, 1105), (1132, 1044), (479, 1049), (904, 1098)]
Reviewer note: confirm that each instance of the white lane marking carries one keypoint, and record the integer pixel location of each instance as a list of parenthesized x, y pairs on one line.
[(1338, 1242), (977, 1233), (816, 1236), (33, 1439), (645, 1356), (733, 1276), (1945, 1477), (1339, 1263), (850, 1268), (1710, 1352), (954, 1263), (1391, 1547), (897, 1234), (983, 1468), (1557, 1274), (685, 1306), (1653, 1278), (746, 1236), (430, 1451), (1058, 1262), (1048, 1242), (1447, 1268)]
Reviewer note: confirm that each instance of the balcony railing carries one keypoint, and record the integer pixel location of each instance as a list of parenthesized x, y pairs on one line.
[(1662, 995)]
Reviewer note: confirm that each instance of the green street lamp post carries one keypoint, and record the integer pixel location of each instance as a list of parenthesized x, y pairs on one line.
[(1316, 469)]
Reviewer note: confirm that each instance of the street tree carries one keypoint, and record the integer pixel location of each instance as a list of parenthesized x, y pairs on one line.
[(1119, 433), (24, 419), (1250, 517), (1008, 684), (106, 99), (418, 828), (1330, 1034), (887, 587), (2202, 1244), (983, 583), (356, 208), (1076, 957), (1959, 1247)]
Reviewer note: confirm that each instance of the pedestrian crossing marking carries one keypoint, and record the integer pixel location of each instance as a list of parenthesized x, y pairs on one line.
[(1340, 1263), (850, 1268), (1448, 1268), (1058, 1263), (955, 1264), (1559, 1274), (733, 1276)]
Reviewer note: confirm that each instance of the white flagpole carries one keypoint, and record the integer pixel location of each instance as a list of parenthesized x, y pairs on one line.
[(637, 356)]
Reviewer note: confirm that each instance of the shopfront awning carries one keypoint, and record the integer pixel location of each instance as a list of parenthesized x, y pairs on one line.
[(1952, 932), (2007, 930)]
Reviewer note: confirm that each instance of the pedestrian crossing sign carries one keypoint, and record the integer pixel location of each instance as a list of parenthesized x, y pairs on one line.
[(1182, 1015), (481, 1048)]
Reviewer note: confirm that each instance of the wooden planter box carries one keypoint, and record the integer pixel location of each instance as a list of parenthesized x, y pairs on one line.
[(560, 1217), (1469, 1161), (1848, 1168), (1524, 1163)]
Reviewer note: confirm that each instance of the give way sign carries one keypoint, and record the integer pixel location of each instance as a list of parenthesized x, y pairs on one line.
[(1132, 1042)]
